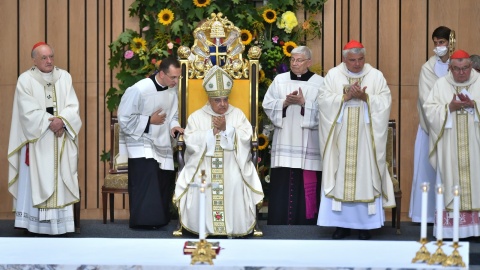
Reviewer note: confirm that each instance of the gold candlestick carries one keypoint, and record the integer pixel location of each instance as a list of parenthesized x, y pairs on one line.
[(439, 256), (203, 253), (423, 254), (455, 259)]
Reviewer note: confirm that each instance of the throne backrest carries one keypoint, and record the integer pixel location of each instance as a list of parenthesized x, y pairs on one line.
[(217, 41)]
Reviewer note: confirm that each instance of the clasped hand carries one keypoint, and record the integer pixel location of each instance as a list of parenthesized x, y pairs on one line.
[(219, 124), (296, 97), (462, 102), (56, 126), (355, 91)]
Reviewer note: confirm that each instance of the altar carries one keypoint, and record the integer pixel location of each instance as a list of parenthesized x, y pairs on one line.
[(134, 253)]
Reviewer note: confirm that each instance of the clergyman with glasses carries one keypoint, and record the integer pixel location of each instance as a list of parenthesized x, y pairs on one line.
[(453, 120), (148, 119), (354, 107), (291, 105)]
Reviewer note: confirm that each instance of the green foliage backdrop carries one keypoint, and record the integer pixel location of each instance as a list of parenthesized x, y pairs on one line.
[(167, 24)]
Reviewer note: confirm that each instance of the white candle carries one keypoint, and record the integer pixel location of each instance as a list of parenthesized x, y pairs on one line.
[(201, 220), (439, 212), (456, 213), (423, 230)]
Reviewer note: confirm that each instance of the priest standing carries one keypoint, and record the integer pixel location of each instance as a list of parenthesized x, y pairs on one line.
[(354, 107), (291, 105), (453, 118), (43, 147), (148, 118)]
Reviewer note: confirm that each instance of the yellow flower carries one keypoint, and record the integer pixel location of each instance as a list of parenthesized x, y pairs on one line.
[(262, 142), (288, 47), (288, 21), (201, 3), (246, 36), (138, 45), (269, 15), (165, 16), (262, 75)]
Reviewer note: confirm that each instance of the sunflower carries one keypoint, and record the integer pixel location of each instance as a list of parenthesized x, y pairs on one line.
[(201, 3), (246, 36), (262, 142), (138, 45), (165, 16), (288, 47), (269, 15)]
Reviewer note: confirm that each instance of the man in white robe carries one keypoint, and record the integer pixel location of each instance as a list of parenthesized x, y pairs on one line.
[(291, 105), (43, 147), (218, 142), (434, 68), (354, 111), (148, 119), (453, 118)]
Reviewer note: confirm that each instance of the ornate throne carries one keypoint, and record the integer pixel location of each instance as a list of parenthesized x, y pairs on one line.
[(218, 42)]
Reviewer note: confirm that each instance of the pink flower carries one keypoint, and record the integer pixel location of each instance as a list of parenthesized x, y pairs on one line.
[(170, 45), (146, 28), (275, 39), (128, 54)]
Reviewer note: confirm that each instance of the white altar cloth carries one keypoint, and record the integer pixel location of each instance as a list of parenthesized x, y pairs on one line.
[(133, 253)]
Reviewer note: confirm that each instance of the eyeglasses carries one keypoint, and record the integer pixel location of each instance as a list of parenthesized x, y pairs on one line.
[(458, 70), (173, 78), (299, 61)]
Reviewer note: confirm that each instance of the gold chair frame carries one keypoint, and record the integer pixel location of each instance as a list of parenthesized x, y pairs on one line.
[(196, 62)]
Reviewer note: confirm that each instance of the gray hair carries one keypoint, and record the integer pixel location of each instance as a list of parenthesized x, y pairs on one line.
[(303, 50), (475, 61), (354, 51)]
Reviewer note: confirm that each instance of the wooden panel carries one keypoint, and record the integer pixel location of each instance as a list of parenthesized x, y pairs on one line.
[(91, 109), (468, 27), (57, 30), (328, 56), (369, 30), (407, 133), (389, 41), (31, 30), (8, 69), (76, 68)]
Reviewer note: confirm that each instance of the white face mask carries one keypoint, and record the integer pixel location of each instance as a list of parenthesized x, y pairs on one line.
[(440, 50)]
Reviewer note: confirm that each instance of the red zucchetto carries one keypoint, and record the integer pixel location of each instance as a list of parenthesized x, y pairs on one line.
[(353, 44), (459, 54), (38, 44)]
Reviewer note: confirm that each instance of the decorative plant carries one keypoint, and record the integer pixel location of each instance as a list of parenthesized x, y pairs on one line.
[(164, 25)]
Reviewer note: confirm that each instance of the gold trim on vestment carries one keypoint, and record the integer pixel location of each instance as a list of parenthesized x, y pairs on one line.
[(463, 160), (52, 201), (351, 148), (218, 200)]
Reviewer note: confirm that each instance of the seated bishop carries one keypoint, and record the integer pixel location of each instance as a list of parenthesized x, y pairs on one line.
[(217, 139)]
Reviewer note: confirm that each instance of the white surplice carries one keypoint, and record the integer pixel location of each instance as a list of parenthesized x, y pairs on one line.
[(433, 69), (295, 138), (373, 186)]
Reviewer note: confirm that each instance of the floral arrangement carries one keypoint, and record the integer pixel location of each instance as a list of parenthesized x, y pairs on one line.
[(164, 25)]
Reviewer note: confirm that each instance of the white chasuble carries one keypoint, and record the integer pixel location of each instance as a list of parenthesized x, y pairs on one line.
[(231, 203), (51, 174), (353, 137)]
